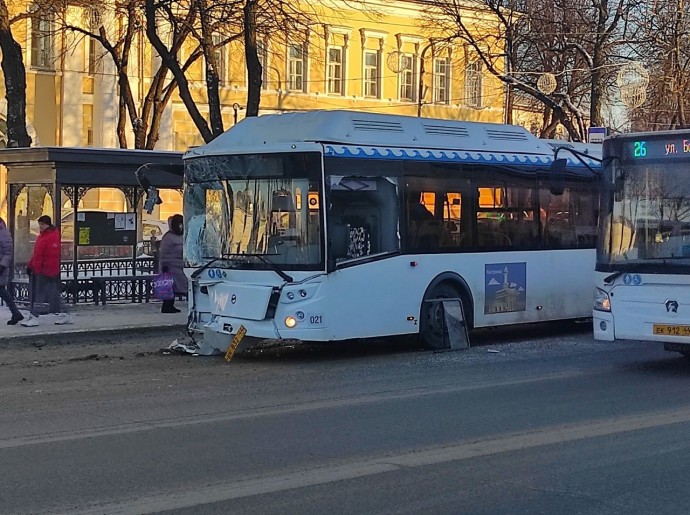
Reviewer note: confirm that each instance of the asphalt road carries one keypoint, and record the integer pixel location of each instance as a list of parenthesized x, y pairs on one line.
[(537, 420)]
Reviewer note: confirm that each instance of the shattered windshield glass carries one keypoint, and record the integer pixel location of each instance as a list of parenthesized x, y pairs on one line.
[(258, 211), (648, 219)]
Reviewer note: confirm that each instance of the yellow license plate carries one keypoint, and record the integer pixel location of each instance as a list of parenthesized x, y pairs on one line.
[(235, 342), (671, 330)]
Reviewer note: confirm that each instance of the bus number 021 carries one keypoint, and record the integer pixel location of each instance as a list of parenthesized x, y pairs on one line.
[(316, 319)]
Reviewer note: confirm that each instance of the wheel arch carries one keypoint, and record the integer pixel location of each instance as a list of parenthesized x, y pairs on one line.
[(458, 282)]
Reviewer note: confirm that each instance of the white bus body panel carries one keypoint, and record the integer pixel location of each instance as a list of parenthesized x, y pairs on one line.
[(384, 298), (636, 307)]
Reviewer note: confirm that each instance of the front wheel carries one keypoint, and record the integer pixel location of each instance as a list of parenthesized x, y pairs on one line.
[(432, 322)]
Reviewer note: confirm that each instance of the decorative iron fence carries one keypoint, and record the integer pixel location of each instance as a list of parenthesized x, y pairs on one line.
[(98, 281)]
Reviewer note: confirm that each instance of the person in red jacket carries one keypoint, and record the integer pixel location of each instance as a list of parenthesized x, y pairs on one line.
[(44, 269)]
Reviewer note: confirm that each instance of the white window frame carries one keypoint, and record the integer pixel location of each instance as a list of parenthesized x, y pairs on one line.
[(371, 76), (441, 81), (221, 60), (296, 67), (473, 83), (42, 27), (331, 68), (262, 51), (407, 78)]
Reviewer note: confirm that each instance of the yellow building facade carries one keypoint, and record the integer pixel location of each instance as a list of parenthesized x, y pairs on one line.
[(377, 61)]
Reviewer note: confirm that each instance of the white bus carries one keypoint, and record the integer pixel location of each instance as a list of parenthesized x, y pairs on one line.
[(336, 225), (643, 258)]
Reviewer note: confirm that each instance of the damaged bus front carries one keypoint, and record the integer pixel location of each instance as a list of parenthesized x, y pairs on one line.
[(246, 215)]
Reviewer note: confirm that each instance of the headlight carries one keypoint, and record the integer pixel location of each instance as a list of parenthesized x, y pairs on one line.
[(290, 322), (601, 300)]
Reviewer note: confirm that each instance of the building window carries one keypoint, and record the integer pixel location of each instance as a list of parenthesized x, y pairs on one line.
[(93, 23), (42, 41), (334, 79), (371, 74), (87, 126), (473, 84), (441, 81), (296, 67), (408, 74), (220, 58), (262, 53)]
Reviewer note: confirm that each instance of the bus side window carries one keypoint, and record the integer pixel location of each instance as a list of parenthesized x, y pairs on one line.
[(371, 214), (423, 229)]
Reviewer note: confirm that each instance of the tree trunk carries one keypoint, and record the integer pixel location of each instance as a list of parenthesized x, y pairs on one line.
[(171, 63), (212, 77), (15, 83), (254, 69)]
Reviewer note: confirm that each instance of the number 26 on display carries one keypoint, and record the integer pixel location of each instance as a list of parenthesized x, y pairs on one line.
[(640, 148)]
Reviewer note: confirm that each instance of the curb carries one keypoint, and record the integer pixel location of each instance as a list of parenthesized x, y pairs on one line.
[(79, 335)]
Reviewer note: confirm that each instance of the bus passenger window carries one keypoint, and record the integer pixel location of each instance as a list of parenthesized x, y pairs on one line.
[(370, 212), (423, 230), (452, 220)]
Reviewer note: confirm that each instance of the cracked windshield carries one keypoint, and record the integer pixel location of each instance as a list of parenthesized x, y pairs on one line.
[(650, 214), (254, 211)]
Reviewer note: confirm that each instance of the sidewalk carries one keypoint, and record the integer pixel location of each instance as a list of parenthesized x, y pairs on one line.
[(90, 319)]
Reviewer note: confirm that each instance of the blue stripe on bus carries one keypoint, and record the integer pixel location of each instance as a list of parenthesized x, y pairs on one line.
[(439, 155)]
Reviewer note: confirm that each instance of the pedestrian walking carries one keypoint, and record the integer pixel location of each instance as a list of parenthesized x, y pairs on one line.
[(6, 258), (171, 260), (44, 271)]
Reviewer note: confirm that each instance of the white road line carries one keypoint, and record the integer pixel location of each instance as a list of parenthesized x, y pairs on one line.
[(497, 444), (151, 425)]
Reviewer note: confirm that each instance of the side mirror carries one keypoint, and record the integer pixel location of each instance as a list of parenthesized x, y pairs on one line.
[(152, 199), (152, 195), (557, 176), (338, 243)]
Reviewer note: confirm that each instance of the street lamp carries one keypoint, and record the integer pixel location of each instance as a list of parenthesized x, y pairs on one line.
[(422, 89), (235, 109)]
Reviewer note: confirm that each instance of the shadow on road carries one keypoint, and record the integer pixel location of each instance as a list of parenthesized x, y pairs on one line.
[(365, 348)]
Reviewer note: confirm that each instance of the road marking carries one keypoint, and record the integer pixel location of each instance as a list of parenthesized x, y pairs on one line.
[(269, 411), (497, 444)]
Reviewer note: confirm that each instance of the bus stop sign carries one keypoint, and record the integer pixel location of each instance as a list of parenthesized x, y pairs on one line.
[(597, 134)]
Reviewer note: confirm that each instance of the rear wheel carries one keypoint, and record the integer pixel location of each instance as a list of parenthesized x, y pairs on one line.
[(432, 321)]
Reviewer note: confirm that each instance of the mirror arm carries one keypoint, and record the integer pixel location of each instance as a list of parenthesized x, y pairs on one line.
[(580, 157)]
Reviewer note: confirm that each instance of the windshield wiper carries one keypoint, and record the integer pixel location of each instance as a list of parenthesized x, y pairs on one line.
[(640, 265), (272, 265)]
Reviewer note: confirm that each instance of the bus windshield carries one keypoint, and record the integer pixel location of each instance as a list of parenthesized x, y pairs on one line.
[(258, 211), (646, 218)]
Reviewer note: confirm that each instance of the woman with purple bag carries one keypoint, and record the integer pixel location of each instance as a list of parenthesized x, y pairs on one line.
[(170, 260)]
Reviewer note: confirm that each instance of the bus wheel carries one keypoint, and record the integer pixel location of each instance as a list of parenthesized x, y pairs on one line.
[(432, 316)]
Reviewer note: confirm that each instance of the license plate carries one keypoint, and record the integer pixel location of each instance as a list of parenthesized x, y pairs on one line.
[(671, 330), (235, 342)]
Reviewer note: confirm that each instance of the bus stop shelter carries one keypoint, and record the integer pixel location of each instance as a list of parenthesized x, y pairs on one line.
[(93, 196)]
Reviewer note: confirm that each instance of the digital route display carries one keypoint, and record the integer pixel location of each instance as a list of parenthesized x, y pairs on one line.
[(666, 148)]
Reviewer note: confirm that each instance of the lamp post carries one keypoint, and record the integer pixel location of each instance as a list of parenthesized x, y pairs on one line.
[(422, 90), (235, 109)]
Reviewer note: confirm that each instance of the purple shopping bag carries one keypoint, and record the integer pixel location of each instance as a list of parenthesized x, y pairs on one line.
[(163, 286)]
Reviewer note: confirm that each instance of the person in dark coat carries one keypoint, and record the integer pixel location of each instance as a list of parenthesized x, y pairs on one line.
[(171, 260), (6, 257)]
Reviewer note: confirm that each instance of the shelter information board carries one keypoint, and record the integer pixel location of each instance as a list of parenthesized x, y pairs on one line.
[(102, 228)]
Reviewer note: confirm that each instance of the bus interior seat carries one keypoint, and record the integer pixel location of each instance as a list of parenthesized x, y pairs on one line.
[(490, 234), (521, 232), (363, 230)]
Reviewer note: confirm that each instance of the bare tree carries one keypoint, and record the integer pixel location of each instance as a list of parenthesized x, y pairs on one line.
[(573, 40), (664, 49), (142, 115), (214, 24), (15, 82)]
